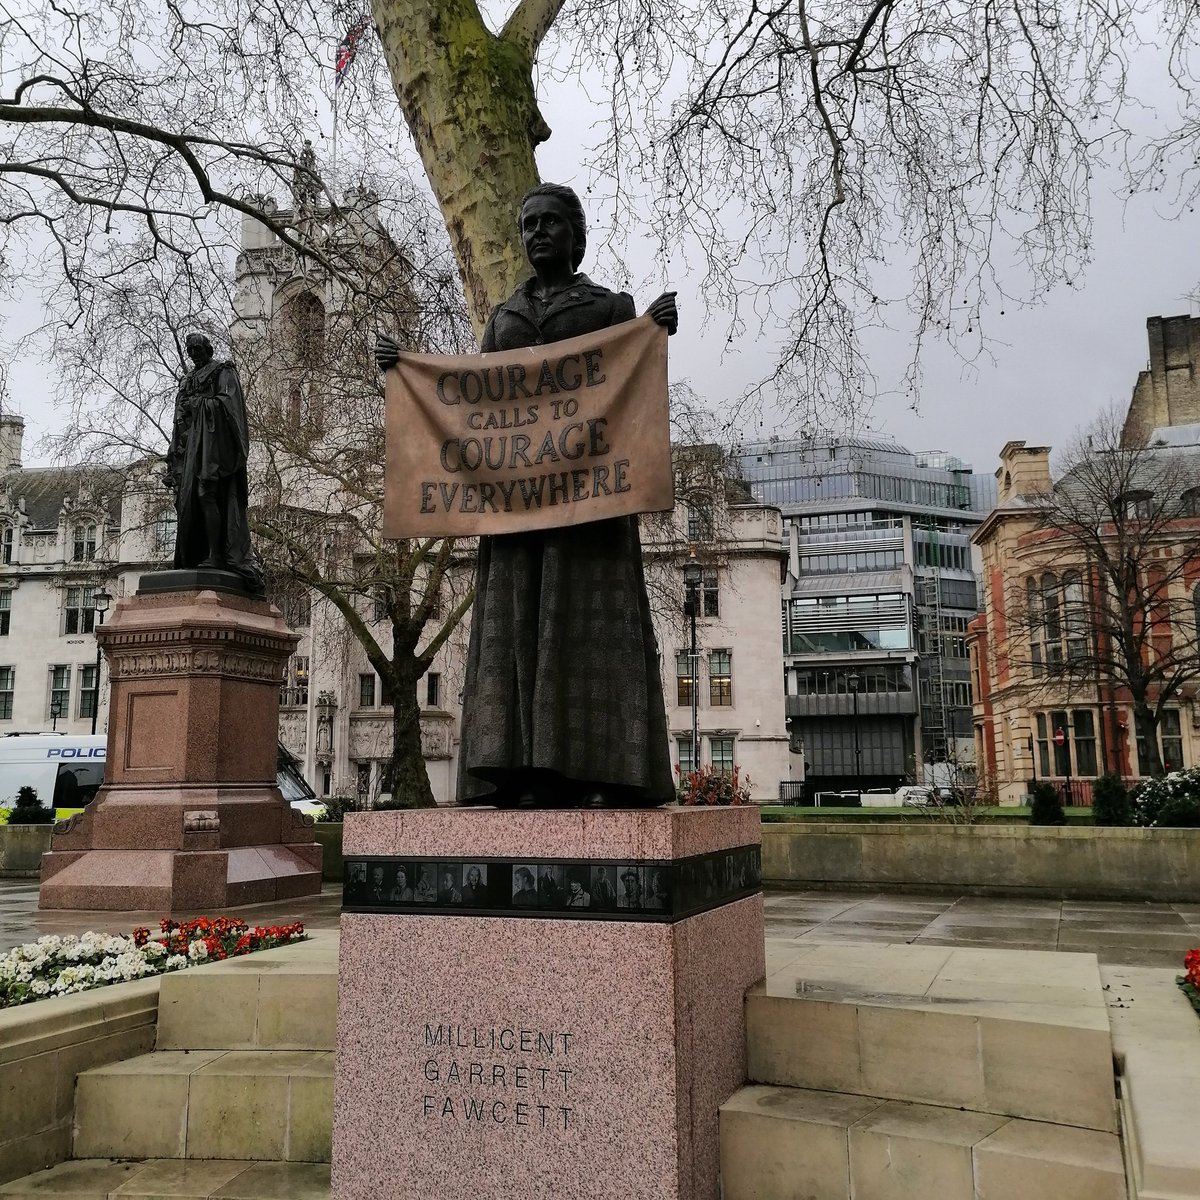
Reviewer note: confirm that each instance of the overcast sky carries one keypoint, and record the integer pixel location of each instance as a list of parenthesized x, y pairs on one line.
[(1053, 366)]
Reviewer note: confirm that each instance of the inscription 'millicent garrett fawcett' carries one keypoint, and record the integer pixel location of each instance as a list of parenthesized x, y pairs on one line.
[(532, 1086)]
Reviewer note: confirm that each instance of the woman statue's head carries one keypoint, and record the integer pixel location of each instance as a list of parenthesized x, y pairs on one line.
[(565, 199)]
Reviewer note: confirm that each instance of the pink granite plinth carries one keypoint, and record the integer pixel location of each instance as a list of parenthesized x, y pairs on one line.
[(541, 1058), (189, 815)]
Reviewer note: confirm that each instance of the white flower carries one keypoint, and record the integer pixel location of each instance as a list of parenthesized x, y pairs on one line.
[(175, 962), (197, 951)]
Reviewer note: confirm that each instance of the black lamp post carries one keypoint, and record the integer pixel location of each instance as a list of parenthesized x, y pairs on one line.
[(100, 601), (852, 682), (55, 713), (692, 574)]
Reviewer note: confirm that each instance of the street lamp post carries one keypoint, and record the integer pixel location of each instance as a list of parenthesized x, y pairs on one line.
[(692, 574), (100, 601), (55, 713), (852, 682)]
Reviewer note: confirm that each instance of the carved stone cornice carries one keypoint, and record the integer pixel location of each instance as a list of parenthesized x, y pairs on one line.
[(145, 661)]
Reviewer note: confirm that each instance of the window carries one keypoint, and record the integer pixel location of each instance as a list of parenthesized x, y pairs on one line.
[(1075, 613), (1189, 503), (164, 531), (8, 677), (720, 678), (1085, 741), (85, 543), (60, 692), (879, 680), (1062, 754), (1052, 620), (6, 545), (683, 746), (699, 521), (712, 598), (366, 690), (433, 689), (1058, 621), (79, 613), (362, 784), (1172, 739), (683, 679), (379, 612), (721, 750), (297, 606), (1138, 505), (5, 611), (295, 692), (305, 315), (87, 691), (839, 564), (1043, 742)]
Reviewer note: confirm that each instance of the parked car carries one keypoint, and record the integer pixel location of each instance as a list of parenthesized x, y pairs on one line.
[(837, 799), (909, 795)]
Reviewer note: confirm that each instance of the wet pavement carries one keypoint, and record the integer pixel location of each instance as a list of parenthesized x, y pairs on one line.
[(1131, 933)]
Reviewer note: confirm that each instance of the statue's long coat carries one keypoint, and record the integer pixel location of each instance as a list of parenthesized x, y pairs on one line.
[(563, 680), (209, 448)]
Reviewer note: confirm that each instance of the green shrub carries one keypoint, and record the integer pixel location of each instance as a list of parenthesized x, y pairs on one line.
[(30, 810), (1179, 812), (1111, 804), (1168, 800), (1046, 807), (336, 807)]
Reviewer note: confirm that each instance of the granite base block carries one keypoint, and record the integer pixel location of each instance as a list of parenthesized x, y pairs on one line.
[(189, 816), (541, 1057)]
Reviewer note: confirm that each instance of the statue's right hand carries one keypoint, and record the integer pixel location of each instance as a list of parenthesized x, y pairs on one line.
[(387, 352)]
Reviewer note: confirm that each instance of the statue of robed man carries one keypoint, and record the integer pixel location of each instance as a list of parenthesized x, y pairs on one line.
[(206, 469)]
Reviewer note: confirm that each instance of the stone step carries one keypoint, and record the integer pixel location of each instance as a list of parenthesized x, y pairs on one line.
[(1015, 1033), (191, 1104), (155, 1179), (241, 1004), (783, 1143)]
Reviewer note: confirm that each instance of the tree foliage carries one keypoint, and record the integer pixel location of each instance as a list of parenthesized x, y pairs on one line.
[(826, 166)]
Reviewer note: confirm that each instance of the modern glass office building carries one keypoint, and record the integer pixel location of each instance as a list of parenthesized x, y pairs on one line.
[(878, 589)]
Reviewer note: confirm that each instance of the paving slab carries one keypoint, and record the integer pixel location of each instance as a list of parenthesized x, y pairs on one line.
[(1131, 932), (1156, 1039)]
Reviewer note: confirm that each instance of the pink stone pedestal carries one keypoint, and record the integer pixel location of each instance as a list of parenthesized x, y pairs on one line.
[(543, 1057), (189, 817)]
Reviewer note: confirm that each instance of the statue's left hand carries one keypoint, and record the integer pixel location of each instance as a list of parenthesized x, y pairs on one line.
[(664, 311)]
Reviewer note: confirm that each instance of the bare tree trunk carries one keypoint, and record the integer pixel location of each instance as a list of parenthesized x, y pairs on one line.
[(405, 775), (467, 96), (1146, 727)]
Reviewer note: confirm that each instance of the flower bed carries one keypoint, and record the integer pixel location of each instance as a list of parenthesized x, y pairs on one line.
[(710, 786), (58, 966), (1190, 979)]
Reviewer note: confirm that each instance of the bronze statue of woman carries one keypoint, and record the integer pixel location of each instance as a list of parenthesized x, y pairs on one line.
[(563, 702)]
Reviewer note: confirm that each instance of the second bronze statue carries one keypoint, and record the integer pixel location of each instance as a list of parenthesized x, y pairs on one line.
[(207, 469), (562, 701)]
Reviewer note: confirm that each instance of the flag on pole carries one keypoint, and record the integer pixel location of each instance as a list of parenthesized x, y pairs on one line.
[(348, 48)]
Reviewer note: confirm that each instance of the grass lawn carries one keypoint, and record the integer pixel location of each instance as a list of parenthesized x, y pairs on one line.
[(1076, 815)]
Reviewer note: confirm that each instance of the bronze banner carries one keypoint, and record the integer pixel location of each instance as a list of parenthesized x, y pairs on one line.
[(536, 438)]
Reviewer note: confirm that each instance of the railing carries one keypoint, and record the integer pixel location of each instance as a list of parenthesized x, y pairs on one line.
[(791, 791)]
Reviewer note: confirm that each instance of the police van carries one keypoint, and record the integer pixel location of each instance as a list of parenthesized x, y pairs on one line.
[(68, 769), (65, 769)]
